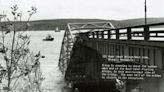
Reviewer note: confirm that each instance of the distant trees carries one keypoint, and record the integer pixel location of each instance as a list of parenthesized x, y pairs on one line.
[(20, 67)]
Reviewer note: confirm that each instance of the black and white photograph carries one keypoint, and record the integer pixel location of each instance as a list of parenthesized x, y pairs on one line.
[(81, 46)]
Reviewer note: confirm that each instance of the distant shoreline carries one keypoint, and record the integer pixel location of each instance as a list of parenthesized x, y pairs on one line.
[(62, 23)]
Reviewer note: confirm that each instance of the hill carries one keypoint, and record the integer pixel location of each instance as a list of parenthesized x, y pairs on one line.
[(139, 21), (62, 23)]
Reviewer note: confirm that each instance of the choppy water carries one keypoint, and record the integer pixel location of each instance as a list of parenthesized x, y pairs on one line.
[(49, 64)]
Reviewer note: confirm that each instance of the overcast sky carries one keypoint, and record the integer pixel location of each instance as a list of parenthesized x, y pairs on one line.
[(102, 9)]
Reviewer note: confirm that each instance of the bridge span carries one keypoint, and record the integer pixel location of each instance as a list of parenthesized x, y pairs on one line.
[(97, 57)]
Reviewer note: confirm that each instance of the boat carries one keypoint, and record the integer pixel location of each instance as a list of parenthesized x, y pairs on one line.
[(48, 38), (57, 29)]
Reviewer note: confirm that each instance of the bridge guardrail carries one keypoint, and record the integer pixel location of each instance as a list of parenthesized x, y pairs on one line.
[(149, 32)]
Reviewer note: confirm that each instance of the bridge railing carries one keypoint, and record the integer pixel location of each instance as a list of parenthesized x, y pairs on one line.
[(150, 32), (124, 42)]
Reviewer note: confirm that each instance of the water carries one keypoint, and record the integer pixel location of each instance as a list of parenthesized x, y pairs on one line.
[(49, 64), (51, 51)]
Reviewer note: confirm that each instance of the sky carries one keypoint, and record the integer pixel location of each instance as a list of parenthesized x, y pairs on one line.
[(101, 9)]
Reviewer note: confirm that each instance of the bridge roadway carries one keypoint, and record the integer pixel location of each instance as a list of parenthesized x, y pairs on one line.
[(82, 55)]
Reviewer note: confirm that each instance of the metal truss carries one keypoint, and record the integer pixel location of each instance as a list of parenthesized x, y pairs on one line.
[(90, 25), (65, 51), (69, 39)]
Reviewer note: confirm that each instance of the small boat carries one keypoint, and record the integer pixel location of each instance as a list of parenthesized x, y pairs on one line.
[(57, 29), (48, 38)]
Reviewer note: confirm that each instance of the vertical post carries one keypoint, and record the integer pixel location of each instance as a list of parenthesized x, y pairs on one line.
[(129, 33), (109, 36), (117, 34), (97, 34), (102, 34), (146, 33), (145, 12), (93, 34)]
